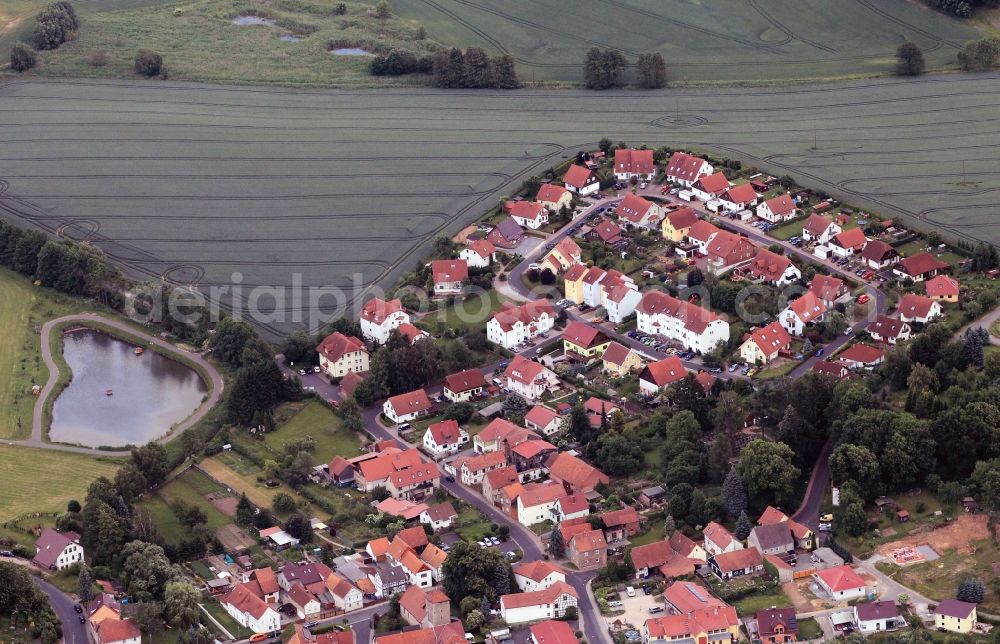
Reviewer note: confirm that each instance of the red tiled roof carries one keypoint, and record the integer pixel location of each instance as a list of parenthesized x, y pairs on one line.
[(501, 477), (684, 166), (607, 230), (573, 503), (861, 353), (116, 630), (538, 597), (465, 381), (441, 512), (781, 205), (586, 541), (377, 311), (878, 251), (816, 225), (245, 601), (886, 327), (411, 402), (410, 332), (771, 338), (633, 208), (682, 218), (526, 313), (498, 429), (616, 354), (634, 161), (942, 286), (575, 272), (706, 380), (578, 176), (828, 368), (523, 370), (770, 515), (915, 306), (449, 270), (336, 345), (540, 415), (451, 633), (718, 535), (528, 210), (570, 469), (483, 247), (841, 578), (852, 238), (552, 632), (826, 287), (738, 559), (600, 407), (687, 597), (682, 544), (808, 307), (536, 570), (651, 555), (921, 264), (583, 335), (743, 193), (768, 265), (550, 192), (484, 461), (541, 493), (664, 372), (382, 466), (702, 231), (715, 183), (693, 317), (444, 432)]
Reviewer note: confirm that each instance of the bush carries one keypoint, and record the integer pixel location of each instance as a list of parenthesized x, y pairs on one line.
[(57, 23), (148, 63), (98, 59), (22, 57)]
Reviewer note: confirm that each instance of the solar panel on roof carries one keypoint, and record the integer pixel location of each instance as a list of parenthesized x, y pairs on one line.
[(696, 591)]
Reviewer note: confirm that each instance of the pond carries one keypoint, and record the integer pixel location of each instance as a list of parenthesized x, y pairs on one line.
[(244, 21), (149, 393), (350, 51)]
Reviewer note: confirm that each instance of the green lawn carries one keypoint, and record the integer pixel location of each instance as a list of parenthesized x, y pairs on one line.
[(472, 525), (753, 603), (788, 230), (214, 608), (471, 312), (166, 522), (316, 420), (191, 487), (777, 372), (809, 629), (36, 480)]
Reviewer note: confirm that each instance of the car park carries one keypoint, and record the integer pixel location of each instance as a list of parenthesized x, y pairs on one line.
[(733, 367)]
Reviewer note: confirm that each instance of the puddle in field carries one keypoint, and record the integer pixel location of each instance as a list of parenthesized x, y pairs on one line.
[(244, 21), (350, 51), (289, 38)]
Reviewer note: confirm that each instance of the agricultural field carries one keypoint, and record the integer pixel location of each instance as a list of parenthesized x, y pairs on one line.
[(727, 41), (29, 474), (216, 185)]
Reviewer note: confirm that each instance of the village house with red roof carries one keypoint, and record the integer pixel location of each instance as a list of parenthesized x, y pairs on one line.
[(771, 268), (57, 550), (550, 603), (878, 255), (848, 243), (677, 223), (530, 214), (250, 611), (406, 407), (537, 575), (889, 330), (820, 229), (657, 376), (478, 253), (807, 309), (919, 267), (514, 325), (696, 328), (574, 474), (425, 608), (709, 187), (581, 181), (918, 308), (619, 360), (638, 212), (543, 420), (719, 540), (380, 317), (861, 356), (942, 288), (507, 234), (738, 563), (828, 289), (588, 550), (464, 385), (763, 344), (583, 342), (685, 169), (474, 468), (565, 254), (552, 632), (554, 197), (620, 524), (439, 517), (740, 197), (529, 379), (444, 437), (634, 164), (449, 275), (608, 233), (777, 209), (341, 354), (536, 502), (728, 250), (841, 583)]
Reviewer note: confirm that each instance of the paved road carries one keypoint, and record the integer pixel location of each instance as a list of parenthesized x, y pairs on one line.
[(819, 481), (213, 397), (984, 322), (73, 631)]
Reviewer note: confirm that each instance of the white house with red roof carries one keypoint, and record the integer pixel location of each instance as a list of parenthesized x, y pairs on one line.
[(530, 576), (710, 187), (478, 253), (530, 214), (777, 209), (806, 310), (550, 603), (406, 407), (638, 212), (719, 540), (341, 354), (543, 420), (861, 356), (449, 275), (513, 325), (554, 197), (380, 317), (570, 506), (563, 255), (696, 328), (474, 468), (841, 583), (580, 180), (464, 385), (771, 268), (919, 267), (763, 344), (444, 438), (701, 233), (889, 330), (250, 611), (728, 250), (820, 229), (528, 378), (918, 308), (657, 376), (620, 299), (878, 255), (685, 168), (848, 243), (634, 164), (537, 501), (117, 631), (740, 197)]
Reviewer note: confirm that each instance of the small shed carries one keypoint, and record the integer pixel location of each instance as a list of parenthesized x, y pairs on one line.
[(885, 504), (903, 516), (651, 495), (970, 505)]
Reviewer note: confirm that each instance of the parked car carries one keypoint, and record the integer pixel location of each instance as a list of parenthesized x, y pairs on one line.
[(450, 478), (864, 297), (820, 352), (849, 331), (733, 367), (715, 370), (317, 370), (630, 591), (751, 373), (302, 372), (656, 609), (825, 527), (826, 517)]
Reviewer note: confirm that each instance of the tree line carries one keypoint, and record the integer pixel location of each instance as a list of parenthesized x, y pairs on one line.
[(605, 69), (473, 68), (961, 8)]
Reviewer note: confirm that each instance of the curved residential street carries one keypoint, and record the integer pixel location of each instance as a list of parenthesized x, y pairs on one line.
[(212, 398)]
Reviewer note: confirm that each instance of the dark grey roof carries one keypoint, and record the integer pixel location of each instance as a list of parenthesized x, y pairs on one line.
[(774, 535), (510, 229)]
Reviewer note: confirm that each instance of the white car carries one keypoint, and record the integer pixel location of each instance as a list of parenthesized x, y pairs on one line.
[(302, 372), (825, 527), (642, 186), (630, 591), (534, 266), (317, 370)]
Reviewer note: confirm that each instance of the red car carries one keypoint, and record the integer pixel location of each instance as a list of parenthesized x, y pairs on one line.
[(863, 298)]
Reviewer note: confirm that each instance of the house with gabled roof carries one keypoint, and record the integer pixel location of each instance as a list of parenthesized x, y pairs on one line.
[(425, 608), (830, 368), (536, 502), (374, 472), (772, 539), (701, 233), (406, 407), (57, 550), (660, 558), (619, 360), (802, 534), (710, 186), (379, 318), (608, 233), (805, 310), (543, 420), (401, 508), (820, 229), (727, 250), (450, 633), (634, 164), (554, 197), (677, 223), (552, 632), (444, 437), (620, 524), (777, 625), (529, 379), (719, 540), (507, 234), (777, 209), (581, 181), (530, 214), (439, 517), (584, 342), (771, 268), (588, 550), (638, 212), (493, 436), (574, 474), (918, 308), (828, 289), (861, 356), (942, 288), (877, 616), (564, 255), (464, 385), (878, 255), (512, 325), (537, 575), (955, 616), (739, 197), (341, 354), (848, 243), (250, 611), (550, 603), (919, 267), (841, 583), (763, 344), (738, 563), (889, 330), (478, 253), (116, 631), (657, 376), (697, 329), (473, 469), (496, 480), (449, 275), (685, 169)]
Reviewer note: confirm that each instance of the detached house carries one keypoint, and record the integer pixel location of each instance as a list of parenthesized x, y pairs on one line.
[(848, 243), (529, 379), (634, 164), (583, 342), (738, 563), (677, 224), (918, 308), (414, 483), (564, 255), (685, 168), (581, 181), (406, 407), (942, 288), (507, 234), (550, 603), (620, 524), (444, 438), (588, 550), (697, 329), (718, 540), (841, 583), (727, 250), (574, 474), (828, 289), (802, 312), (657, 376), (762, 345), (464, 385), (772, 268), (424, 608), (439, 517), (739, 197), (380, 317), (878, 255), (701, 233), (554, 197), (918, 268), (710, 186), (772, 539), (619, 360), (889, 330), (479, 253), (250, 611), (537, 501), (819, 229), (341, 354), (449, 275), (608, 233), (530, 214), (777, 209), (661, 558), (57, 550), (638, 212), (861, 356), (543, 420), (473, 469), (955, 616), (537, 575), (877, 616), (777, 626), (513, 325)]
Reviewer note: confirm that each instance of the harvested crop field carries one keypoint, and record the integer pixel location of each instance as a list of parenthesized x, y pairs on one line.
[(196, 182), (704, 42)]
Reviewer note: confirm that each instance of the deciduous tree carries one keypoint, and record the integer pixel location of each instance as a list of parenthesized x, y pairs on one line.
[(652, 71), (910, 60)]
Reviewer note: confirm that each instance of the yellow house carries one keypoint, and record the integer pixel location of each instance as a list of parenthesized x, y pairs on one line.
[(942, 288), (676, 224), (341, 354), (554, 197), (955, 616), (620, 360), (573, 283), (564, 255), (763, 344), (584, 341)]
